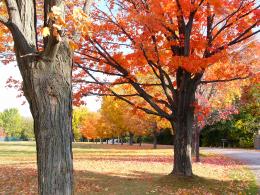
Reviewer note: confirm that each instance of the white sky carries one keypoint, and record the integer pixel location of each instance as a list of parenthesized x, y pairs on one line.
[(8, 96)]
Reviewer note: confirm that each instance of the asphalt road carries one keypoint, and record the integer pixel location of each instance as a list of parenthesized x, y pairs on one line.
[(249, 157)]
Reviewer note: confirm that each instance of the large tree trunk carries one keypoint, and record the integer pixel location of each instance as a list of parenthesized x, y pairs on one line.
[(155, 134), (113, 140), (140, 140), (48, 92), (193, 141), (49, 95), (131, 138), (47, 87), (183, 126), (122, 140), (196, 140), (197, 144)]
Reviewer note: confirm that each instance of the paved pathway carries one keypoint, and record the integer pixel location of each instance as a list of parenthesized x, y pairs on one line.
[(250, 157)]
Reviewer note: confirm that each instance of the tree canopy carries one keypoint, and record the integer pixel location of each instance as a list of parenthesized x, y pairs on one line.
[(161, 51), (15, 125)]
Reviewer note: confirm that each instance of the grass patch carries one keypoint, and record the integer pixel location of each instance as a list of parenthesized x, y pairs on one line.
[(243, 173), (132, 170)]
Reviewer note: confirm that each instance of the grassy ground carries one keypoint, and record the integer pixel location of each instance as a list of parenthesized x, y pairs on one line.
[(106, 169)]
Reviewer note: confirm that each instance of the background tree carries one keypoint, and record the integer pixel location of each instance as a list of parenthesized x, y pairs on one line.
[(123, 119), (137, 125), (240, 128), (27, 131), (113, 112), (207, 111), (79, 114), (161, 125), (102, 129), (147, 125), (11, 122), (15, 125), (176, 41), (217, 101), (248, 118), (89, 125)]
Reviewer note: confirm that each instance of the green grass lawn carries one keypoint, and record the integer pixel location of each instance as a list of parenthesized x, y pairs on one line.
[(125, 170)]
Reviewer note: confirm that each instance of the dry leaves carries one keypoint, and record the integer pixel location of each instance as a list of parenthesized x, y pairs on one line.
[(107, 169)]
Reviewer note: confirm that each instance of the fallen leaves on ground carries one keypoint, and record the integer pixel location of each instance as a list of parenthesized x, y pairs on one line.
[(107, 169)]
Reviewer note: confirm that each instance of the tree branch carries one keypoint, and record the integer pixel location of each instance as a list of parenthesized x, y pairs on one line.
[(98, 71), (226, 25), (24, 44), (116, 83), (111, 95), (238, 39), (147, 97), (87, 5), (224, 80), (180, 17), (227, 18), (146, 110)]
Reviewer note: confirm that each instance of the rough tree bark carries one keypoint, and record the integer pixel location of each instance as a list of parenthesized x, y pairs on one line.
[(197, 144), (140, 140), (155, 134), (183, 125), (49, 95), (113, 140), (131, 138), (47, 87), (196, 140), (193, 142), (122, 140)]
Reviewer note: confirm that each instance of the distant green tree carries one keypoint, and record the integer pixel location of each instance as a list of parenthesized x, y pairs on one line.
[(1, 120), (248, 121), (11, 121), (242, 127), (27, 128), (79, 113)]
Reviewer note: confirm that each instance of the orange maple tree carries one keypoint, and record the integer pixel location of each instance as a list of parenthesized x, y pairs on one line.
[(175, 41), (89, 126)]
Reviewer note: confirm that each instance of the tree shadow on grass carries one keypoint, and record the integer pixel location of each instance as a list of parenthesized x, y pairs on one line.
[(20, 180), (139, 183)]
